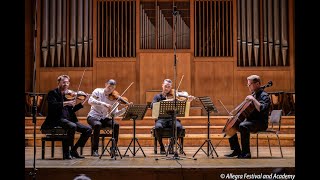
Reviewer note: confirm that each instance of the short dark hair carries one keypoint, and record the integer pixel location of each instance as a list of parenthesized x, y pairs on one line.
[(112, 82), (167, 80)]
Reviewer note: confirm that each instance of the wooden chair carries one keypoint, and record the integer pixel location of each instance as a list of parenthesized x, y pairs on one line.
[(167, 133), (275, 123), (53, 134), (107, 132)]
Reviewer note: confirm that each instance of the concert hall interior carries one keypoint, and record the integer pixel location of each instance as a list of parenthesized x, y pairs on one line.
[(219, 55)]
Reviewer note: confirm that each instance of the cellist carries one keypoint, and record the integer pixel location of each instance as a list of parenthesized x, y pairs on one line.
[(256, 121)]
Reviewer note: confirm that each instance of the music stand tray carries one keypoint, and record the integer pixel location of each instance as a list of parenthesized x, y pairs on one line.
[(167, 108), (208, 106), (135, 112)]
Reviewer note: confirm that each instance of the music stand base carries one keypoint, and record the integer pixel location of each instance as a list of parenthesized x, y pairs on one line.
[(134, 152), (113, 150), (178, 144), (210, 149), (175, 156)]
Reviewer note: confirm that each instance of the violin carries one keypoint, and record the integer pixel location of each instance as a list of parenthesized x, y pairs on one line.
[(72, 95), (115, 95), (119, 100)]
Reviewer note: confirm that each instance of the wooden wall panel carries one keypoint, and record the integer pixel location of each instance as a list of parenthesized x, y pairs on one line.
[(123, 72), (48, 81), (218, 78), (155, 67), (215, 79), (281, 81)]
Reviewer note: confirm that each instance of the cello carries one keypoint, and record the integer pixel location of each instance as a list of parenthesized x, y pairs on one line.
[(239, 114)]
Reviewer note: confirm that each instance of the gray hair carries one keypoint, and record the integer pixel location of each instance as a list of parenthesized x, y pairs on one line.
[(82, 177), (62, 77), (254, 78)]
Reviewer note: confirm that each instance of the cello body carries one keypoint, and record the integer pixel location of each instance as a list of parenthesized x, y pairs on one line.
[(239, 114), (242, 112)]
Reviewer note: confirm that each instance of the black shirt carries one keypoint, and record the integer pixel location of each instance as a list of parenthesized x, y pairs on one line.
[(157, 98), (263, 115)]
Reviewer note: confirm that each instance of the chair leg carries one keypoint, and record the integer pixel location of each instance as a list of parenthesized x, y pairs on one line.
[(155, 145), (43, 148), (62, 151), (102, 147), (257, 145), (279, 145), (81, 150), (269, 145), (91, 140), (181, 143), (52, 149)]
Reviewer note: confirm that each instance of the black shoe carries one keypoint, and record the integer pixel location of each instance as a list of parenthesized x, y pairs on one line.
[(162, 150), (95, 153), (234, 153), (67, 156), (75, 154), (244, 156)]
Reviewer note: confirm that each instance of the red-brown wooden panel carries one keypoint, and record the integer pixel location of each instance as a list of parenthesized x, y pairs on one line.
[(155, 67)]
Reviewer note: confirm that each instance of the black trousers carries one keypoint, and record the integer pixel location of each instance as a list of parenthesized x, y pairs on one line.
[(166, 123), (71, 128), (245, 128), (97, 124)]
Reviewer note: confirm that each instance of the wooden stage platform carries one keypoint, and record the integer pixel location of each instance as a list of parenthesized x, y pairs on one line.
[(145, 168)]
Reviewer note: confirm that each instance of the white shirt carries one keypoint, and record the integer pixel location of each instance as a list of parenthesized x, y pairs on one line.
[(97, 101)]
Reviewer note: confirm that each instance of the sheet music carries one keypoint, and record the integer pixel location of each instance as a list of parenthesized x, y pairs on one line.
[(156, 110)]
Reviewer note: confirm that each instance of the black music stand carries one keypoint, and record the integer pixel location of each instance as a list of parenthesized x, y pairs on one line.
[(114, 146), (172, 109), (135, 112), (40, 100), (208, 105)]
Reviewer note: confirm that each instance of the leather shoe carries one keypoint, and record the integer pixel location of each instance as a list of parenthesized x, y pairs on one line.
[(95, 153), (75, 154), (244, 156), (234, 153), (67, 156), (162, 150)]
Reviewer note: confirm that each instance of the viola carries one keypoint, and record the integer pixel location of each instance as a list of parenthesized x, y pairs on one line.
[(180, 95), (239, 114)]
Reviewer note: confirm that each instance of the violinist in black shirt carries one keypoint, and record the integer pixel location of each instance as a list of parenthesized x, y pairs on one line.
[(61, 112), (166, 94)]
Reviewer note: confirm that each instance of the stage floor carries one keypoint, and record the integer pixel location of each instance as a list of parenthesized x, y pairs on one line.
[(155, 166), (200, 160)]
